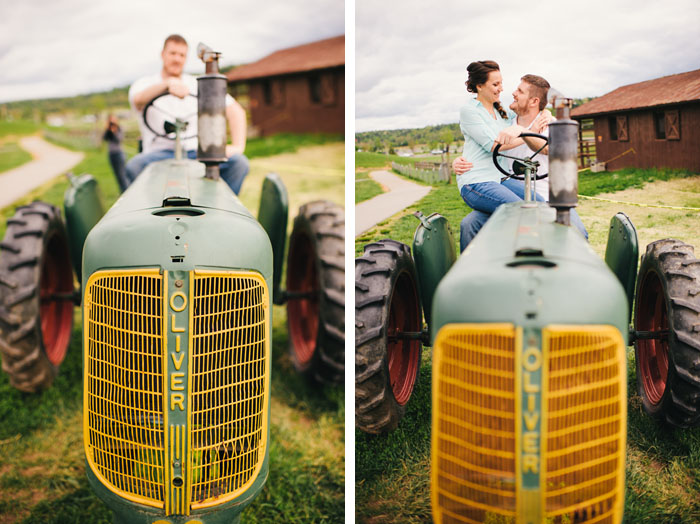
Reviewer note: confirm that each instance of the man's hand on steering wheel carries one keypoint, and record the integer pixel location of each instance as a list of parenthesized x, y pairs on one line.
[(497, 154), (177, 87), (151, 103), (509, 135)]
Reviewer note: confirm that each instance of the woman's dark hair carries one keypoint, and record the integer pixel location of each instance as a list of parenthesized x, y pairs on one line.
[(479, 74)]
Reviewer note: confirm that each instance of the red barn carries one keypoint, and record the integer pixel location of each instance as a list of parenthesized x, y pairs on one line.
[(296, 90), (659, 118)]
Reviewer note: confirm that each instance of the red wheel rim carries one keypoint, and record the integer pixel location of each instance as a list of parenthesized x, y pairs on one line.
[(404, 355), (652, 354), (302, 313), (56, 312)]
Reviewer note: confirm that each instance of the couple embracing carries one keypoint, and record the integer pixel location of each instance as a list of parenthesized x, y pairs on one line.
[(486, 124)]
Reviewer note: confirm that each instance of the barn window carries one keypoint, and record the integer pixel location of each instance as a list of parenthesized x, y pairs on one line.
[(328, 89), (672, 124), (660, 125), (612, 125), (622, 135), (315, 89), (267, 92)]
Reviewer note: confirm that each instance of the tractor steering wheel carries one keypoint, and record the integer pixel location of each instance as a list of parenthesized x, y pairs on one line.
[(169, 131), (519, 175)]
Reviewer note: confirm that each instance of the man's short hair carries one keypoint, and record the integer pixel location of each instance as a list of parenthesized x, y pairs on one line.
[(178, 39), (539, 88)]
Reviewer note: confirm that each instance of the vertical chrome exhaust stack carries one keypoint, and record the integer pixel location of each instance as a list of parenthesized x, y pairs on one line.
[(211, 110), (563, 165)]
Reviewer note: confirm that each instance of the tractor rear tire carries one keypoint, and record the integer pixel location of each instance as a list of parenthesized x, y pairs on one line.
[(386, 302), (36, 296), (668, 298), (316, 267)]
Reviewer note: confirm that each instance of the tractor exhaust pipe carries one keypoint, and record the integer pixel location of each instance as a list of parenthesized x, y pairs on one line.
[(563, 165), (211, 112)]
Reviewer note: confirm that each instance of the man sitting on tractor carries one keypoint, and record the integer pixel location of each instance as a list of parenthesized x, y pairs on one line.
[(529, 101), (157, 145)]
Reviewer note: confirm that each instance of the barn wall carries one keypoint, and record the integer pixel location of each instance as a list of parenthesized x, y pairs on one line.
[(290, 108), (650, 151)]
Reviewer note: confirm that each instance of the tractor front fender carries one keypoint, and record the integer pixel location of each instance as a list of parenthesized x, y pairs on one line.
[(272, 215), (83, 208), (434, 254), (622, 253)]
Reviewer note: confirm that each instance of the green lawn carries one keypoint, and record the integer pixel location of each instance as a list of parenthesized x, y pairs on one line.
[(365, 187), (12, 155), (42, 469), (663, 473)]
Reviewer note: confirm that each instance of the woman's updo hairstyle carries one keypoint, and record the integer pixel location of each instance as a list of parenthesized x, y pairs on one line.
[(479, 74)]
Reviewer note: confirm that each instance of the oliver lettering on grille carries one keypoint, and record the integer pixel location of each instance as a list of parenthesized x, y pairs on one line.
[(178, 303), (532, 373)]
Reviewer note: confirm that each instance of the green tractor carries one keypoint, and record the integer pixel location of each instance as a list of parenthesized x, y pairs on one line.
[(529, 329), (177, 281)]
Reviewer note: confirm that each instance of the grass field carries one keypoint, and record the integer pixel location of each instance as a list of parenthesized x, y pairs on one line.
[(42, 470), (365, 187), (12, 155), (662, 474)]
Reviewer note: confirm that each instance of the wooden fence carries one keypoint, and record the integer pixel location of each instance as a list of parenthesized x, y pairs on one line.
[(586, 152), (428, 172)]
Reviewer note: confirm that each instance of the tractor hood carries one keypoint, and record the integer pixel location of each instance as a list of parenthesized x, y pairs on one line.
[(525, 269), (174, 218)]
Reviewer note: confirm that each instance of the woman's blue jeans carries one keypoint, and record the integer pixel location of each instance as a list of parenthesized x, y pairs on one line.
[(485, 197)]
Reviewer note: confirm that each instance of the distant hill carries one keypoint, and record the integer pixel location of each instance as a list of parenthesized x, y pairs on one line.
[(432, 136), (89, 104)]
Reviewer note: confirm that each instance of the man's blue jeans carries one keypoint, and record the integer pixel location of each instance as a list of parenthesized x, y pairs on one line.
[(489, 195), (233, 171)]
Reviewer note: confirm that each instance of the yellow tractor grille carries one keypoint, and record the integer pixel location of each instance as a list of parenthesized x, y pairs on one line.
[(476, 431), (473, 466), (586, 423), (123, 427), (228, 384)]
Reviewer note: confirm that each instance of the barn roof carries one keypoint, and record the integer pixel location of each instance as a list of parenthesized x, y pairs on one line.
[(316, 55), (683, 87)]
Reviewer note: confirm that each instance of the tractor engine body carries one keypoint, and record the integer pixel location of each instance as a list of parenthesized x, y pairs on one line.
[(177, 333), (529, 378)]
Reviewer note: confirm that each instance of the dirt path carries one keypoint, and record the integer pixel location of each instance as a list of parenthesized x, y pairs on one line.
[(400, 193), (49, 162)]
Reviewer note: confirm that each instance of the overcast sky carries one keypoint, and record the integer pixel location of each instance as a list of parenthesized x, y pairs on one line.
[(411, 55), (52, 48)]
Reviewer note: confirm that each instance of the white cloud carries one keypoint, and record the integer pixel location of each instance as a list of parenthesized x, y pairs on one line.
[(67, 47), (582, 49)]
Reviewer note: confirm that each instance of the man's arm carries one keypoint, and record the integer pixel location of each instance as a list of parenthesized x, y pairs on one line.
[(461, 166), (171, 85), (235, 114)]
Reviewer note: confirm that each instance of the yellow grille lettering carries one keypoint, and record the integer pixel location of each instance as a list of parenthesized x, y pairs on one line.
[(531, 420), (532, 359), (174, 328), (528, 387), (177, 381), (177, 399), (530, 439), (531, 463), (531, 433), (177, 362), (183, 304), (176, 388)]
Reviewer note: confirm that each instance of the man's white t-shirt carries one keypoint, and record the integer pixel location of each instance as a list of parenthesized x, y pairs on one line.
[(168, 108), (522, 151)]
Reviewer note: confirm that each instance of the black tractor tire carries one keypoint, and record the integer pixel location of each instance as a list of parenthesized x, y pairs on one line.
[(316, 268), (668, 297), (386, 301), (36, 296)]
